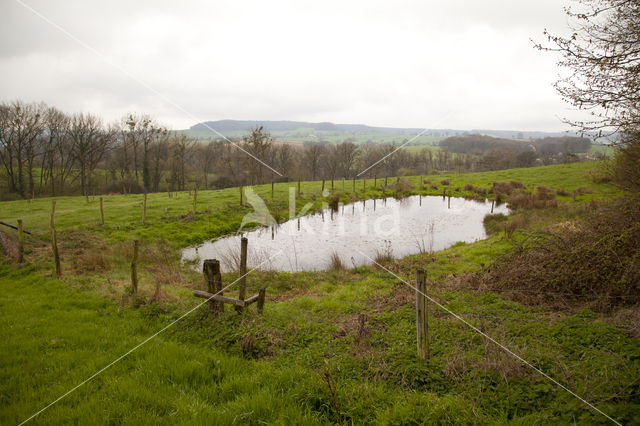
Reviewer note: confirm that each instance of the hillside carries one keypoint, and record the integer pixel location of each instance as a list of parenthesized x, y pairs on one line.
[(307, 131)]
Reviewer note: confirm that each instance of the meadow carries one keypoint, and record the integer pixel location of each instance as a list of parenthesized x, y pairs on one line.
[(335, 346)]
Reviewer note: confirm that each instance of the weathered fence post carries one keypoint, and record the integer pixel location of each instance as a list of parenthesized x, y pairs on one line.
[(101, 212), (213, 279), (240, 195), (421, 315), (260, 302), (364, 183), (331, 184), (385, 180), (134, 268), (144, 208), (354, 184), (195, 200), (375, 181), (492, 203), (53, 214), (20, 242), (56, 255), (242, 288), (298, 187), (272, 189), (322, 186), (342, 184), (574, 196)]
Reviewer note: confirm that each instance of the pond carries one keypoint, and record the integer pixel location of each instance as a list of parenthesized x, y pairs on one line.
[(355, 232)]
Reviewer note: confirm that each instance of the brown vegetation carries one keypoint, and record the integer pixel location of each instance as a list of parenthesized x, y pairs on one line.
[(595, 257)]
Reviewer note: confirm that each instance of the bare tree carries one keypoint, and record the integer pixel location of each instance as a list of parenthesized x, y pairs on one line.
[(90, 143), (20, 127), (312, 158)]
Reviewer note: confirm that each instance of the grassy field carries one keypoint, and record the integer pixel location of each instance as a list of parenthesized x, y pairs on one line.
[(331, 346)]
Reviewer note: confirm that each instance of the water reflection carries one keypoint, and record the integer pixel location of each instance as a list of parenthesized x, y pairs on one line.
[(406, 226)]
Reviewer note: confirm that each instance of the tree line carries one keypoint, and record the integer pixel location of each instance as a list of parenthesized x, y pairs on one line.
[(46, 152)]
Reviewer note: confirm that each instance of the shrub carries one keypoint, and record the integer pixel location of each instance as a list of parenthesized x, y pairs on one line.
[(594, 257)]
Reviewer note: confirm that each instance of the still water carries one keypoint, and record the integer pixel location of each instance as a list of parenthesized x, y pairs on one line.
[(356, 232)]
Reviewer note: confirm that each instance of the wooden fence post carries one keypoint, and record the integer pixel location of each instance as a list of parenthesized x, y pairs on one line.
[(364, 183), (134, 268), (272, 189), (20, 242), (240, 195), (322, 186), (144, 208), (354, 184), (375, 181), (242, 288), (298, 187), (398, 179), (342, 184), (331, 184), (385, 180), (53, 214), (574, 196), (492, 203), (56, 255), (101, 212), (260, 303), (213, 279), (422, 326), (195, 200)]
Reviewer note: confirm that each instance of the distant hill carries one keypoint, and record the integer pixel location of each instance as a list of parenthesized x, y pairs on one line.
[(301, 131)]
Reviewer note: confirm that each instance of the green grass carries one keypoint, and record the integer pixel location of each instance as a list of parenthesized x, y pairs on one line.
[(219, 212), (309, 360)]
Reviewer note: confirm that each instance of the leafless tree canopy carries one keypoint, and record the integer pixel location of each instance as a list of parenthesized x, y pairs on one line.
[(603, 57)]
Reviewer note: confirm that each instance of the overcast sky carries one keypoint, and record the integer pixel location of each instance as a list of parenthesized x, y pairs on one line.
[(438, 64)]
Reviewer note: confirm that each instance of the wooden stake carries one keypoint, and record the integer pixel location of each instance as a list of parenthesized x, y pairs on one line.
[(422, 325), (364, 184), (354, 184), (101, 212), (53, 214), (272, 189), (260, 302), (241, 195), (213, 279), (322, 186), (56, 255), (331, 184), (134, 268), (242, 286), (574, 196), (195, 200), (375, 181), (20, 242), (298, 187), (492, 203), (144, 208)]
